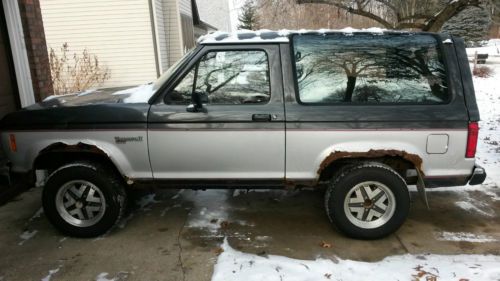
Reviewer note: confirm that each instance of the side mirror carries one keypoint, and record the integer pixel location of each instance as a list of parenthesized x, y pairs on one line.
[(198, 99)]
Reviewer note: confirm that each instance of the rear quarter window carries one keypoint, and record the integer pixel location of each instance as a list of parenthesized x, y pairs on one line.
[(369, 69)]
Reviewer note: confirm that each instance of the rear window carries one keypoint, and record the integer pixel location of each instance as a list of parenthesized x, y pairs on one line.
[(369, 69)]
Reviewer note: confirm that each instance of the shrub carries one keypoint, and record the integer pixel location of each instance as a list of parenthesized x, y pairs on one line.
[(77, 72), (482, 71)]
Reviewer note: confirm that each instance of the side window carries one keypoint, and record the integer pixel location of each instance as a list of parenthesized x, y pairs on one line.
[(365, 68), (226, 77)]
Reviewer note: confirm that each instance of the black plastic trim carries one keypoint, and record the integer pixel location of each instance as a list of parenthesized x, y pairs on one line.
[(478, 175), (466, 75)]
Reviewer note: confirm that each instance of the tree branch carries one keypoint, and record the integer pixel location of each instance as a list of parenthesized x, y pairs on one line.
[(418, 20), (435, 22), (358, 11)]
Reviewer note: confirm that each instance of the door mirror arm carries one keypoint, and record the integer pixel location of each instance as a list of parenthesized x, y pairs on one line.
[(197, 98)]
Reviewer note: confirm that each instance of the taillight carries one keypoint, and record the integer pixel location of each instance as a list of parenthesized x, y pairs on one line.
[(472, 135), (12, 143)]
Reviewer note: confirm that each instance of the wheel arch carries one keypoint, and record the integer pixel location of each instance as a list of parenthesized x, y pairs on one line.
[(399, 160), (58, 154)]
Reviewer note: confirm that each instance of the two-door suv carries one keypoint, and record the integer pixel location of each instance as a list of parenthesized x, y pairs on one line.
[(364, 113)]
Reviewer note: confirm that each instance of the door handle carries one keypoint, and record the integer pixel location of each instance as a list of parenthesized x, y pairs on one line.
[(261, 117)]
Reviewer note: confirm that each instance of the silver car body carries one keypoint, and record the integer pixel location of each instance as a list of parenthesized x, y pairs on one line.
[(233, 151)]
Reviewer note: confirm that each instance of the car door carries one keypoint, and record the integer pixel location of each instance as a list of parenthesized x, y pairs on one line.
[(222, 118)]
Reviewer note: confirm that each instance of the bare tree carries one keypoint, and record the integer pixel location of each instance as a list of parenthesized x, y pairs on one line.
[(426, 15), (289, 14), (352, 63)]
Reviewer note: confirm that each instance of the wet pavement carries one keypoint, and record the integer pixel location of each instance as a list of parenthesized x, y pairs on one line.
[(176, 234)]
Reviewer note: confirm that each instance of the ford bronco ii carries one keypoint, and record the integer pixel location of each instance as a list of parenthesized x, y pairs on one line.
[(363, 113)]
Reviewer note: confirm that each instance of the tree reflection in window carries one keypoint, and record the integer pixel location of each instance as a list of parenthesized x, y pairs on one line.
[(226, 77), (367, 68)]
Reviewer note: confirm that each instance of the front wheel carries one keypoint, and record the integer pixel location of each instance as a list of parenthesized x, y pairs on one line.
[(83, 199), (367, 201)]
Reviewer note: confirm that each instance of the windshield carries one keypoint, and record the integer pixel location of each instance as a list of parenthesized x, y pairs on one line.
[(166, 75)]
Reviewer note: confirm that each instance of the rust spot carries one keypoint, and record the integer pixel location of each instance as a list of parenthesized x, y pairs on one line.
[(372, 153)]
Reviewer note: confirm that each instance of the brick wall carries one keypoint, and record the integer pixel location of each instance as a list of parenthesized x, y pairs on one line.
[(36, 47)]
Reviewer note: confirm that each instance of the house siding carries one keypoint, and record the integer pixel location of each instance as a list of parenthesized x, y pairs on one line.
[(185, 7), (118, 32)]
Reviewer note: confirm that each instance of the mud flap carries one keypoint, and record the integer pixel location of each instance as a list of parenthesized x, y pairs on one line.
[(421, 189)]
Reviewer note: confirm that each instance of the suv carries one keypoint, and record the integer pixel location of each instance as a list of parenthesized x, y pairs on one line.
[(363, 113)]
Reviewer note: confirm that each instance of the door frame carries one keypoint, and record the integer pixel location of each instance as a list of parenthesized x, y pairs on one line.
[(18, 51), (160, 116), (10, 61)]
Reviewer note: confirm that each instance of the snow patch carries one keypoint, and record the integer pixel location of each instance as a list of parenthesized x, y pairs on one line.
[(122, 275), (468, 206), (86, 92), (262, 238), (147, 200), (139, 94), (102, 277), (37, 214), (121, 224), (235, 265), (464, 236), (374, 30), (27, 235), (51, 272), (178, 194), (164, 212), (208, 219), (448, 41), (78, 94), (51, 97)]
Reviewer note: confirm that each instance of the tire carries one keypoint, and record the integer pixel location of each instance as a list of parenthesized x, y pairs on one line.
[(367, 201), (84, 199)]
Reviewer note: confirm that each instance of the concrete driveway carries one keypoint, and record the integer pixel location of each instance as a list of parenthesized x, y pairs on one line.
[(176, 234)]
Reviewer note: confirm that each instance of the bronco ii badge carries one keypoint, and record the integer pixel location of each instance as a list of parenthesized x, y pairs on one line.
[(120, 140)]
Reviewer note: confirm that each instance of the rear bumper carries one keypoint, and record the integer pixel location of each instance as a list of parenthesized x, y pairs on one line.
[(478, 175)]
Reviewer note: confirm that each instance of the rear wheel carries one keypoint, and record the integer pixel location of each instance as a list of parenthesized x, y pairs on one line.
[(367, 201), (84, 199)]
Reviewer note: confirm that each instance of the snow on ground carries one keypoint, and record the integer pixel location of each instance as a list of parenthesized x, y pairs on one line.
[(27, 235), (492, 48), (464, 236), (235, 265), (488, 100)]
